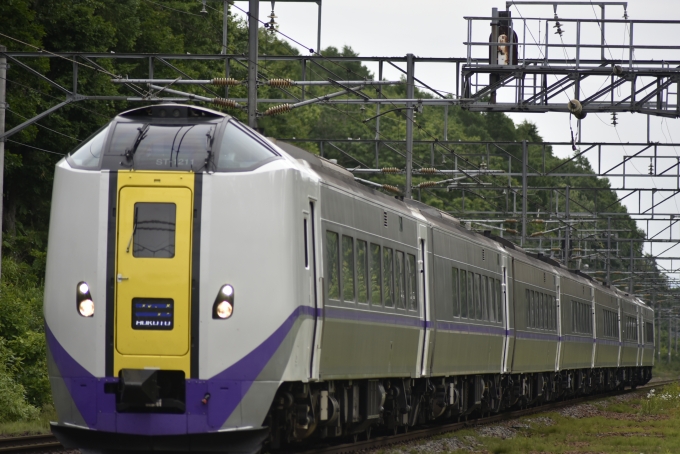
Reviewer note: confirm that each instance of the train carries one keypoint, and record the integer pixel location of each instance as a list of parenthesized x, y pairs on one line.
[(212, 290)]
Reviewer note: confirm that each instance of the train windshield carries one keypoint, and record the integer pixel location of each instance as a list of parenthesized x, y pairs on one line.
[(155, 145), (241, 150), (87, 155), (160, 147)]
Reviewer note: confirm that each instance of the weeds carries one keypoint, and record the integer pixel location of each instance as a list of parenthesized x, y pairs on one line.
[(662, 401)]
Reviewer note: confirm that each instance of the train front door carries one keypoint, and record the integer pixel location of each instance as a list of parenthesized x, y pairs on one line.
[(153, 275)]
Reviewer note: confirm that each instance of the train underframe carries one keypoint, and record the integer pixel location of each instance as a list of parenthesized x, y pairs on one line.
[(354, 408)]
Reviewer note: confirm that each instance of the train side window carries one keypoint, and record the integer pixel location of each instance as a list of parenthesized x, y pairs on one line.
[(491, 298), (388, 276), (463, 294), (471, 295), (484, 298), (527, 297), (332, 265), (376, 281), (649, 332), (478, 297), (544, 311), (400, 279), (499, 301), (412, 282), (616, 324), (348, 289), (551, 313), (454, 291), (304, 233), (541, 315), (362, 272)]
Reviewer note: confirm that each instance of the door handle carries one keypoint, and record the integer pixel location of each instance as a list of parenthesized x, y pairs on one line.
[(121, 278)]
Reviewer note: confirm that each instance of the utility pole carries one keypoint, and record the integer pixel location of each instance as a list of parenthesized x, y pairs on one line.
[(630, 280), (253, 20), (567, 231), (410, 67), (670, 329), (225, 16), (3, 108), (609, 249), (525, 188)]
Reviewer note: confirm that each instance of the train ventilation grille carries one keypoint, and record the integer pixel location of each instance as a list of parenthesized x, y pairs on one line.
[(483, 254), (385, 218)]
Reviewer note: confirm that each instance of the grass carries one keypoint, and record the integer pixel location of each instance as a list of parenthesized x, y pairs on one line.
[(41, 425), (645, 423)]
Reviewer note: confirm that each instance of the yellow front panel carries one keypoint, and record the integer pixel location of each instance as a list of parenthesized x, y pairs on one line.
[(153, 271)]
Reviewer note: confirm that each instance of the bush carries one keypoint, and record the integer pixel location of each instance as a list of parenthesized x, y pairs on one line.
[(24, 384), (13, 403)]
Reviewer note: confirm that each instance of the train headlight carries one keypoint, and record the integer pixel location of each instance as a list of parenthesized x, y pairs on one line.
[(224, 309), (227, 290), (86, 308), (224, 303), (84, 302)]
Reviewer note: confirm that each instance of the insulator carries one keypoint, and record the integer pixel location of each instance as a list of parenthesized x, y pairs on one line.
[(538, 221), (576, 249), (576, 109), (556, 249), (429, 170), (280, 82), (276, 110), (224, 102), (510, 221), (617, 70), (513, 231), (390, 170), (389, 187), (537, 234), (225, 82), (427, 184)]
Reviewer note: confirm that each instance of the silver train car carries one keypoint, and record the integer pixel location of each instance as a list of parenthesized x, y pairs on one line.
[(209, 290)]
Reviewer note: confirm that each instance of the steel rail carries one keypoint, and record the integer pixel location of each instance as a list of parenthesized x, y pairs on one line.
[(37, 443)]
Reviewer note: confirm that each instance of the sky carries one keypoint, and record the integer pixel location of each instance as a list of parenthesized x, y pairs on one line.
[(437, 28)]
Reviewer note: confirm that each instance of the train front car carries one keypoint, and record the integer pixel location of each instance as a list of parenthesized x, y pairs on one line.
[(180, 283)]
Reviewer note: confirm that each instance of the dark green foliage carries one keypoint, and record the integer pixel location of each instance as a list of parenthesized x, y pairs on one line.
[(24, 387)]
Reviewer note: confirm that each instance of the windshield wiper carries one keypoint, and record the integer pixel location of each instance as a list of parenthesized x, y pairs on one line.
[(180, 144), (141, 135), (209, 143)]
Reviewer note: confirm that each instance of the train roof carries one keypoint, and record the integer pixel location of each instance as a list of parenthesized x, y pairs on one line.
[(339, 176)]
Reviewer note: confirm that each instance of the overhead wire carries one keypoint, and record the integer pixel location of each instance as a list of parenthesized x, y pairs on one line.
[(35, 148), (45, 127)]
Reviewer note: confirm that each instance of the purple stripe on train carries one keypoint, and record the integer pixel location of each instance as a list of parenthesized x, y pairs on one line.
[(98, 408)]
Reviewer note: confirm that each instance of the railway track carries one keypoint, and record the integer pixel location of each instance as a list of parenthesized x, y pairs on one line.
[(30, 443), (383, 441)]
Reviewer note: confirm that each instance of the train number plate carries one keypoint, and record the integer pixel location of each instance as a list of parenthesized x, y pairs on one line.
[(153, 313)]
